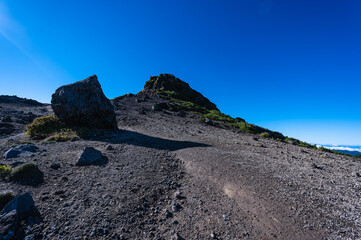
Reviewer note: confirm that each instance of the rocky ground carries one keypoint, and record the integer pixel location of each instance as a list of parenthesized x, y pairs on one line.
[(169, 176)]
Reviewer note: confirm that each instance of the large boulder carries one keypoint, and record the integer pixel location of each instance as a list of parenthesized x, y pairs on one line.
[(23, 204), (83, 103), (168, 82)]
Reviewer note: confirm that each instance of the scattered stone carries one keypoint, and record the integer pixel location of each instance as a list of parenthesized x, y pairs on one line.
[(213, 236), (22, 204), (317, 167), (168, 214), (55, 166), (258, 145), (160, 106), (208, 121), (175, 206), (178, 195), (9, 225), (109, 147), (83, 103), (21, 151), (89, 156)]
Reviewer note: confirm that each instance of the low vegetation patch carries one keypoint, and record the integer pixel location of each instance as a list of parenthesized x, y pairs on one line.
[(43, 127), (27, 173), (22, 171), (52, 128), (5, 198), (4, 171)]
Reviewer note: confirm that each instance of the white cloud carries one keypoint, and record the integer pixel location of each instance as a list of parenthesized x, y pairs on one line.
[(347, 148)]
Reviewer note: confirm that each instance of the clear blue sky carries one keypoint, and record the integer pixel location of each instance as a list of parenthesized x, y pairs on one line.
[(292, 66)]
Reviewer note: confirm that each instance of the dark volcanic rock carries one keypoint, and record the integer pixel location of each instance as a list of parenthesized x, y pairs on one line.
[(21, 151), (168, 82), (22, 204), (83, 103), (89, 156), (9, 225)]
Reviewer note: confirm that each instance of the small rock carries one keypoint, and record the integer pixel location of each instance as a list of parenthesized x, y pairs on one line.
[(21, 151), (55, 166), (317, 167), (88, 156), (168, 214), (175, 206), (213, 236), (109, 147), (178, 195), (58, 192)]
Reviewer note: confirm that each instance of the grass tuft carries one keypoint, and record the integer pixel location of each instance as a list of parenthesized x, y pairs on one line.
[(23, 171), (4, 171)]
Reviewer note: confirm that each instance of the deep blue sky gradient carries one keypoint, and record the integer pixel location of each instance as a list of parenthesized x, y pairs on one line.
[(292, 66)]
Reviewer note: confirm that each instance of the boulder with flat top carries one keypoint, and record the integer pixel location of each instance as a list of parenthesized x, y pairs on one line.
[(83, 103)]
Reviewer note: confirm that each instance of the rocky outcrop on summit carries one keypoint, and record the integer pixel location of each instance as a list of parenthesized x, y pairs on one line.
[(168, 82), (83, 103)]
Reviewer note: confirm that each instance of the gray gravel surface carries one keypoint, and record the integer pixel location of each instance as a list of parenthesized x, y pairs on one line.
[(168, 176)]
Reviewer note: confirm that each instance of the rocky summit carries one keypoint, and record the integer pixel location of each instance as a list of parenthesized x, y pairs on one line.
[(83, 103), (177, 168), (168, 82)]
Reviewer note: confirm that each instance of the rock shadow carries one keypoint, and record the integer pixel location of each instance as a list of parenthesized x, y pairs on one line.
[(139, 139)]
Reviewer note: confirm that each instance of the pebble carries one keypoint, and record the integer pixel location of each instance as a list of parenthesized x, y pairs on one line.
[(109, 147), (55, 166)]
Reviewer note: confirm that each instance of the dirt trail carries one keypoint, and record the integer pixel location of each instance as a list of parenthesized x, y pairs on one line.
[(278, 192), (218, 167)]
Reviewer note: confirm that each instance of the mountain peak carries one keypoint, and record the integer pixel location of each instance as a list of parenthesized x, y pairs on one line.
[(169, 83)]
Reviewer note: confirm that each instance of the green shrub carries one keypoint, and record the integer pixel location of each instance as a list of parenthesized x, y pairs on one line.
[(43, 127), (52, 129), (63, 136), (357, 156), (4, 171), (23, 171), (218, 116), (5, 198), (265, 135)]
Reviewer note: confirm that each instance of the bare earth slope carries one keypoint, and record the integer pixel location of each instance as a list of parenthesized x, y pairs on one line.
[(171, 177)]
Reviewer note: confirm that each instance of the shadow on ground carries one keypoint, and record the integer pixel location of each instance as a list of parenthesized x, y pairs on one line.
[(139, 139)]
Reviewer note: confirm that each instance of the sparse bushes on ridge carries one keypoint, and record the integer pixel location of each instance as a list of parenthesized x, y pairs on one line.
[(264, 135)]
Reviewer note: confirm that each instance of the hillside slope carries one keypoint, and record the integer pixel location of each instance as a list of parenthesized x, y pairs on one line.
[(168, 174)]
